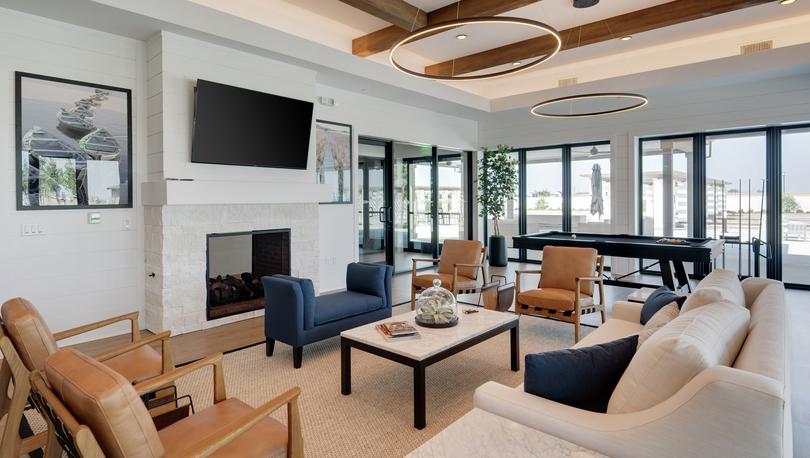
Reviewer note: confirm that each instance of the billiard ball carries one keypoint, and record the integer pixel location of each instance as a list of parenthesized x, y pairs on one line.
[(573, 236)]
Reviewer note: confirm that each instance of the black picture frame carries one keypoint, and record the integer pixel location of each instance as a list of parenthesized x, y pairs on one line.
[(18, 79), (350, 199)]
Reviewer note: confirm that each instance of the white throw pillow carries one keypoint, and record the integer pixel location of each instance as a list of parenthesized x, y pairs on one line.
[(720, 284), (692, 342), (663, 316)]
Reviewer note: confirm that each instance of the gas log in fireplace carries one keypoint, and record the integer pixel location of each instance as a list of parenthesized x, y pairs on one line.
[(236, 263)]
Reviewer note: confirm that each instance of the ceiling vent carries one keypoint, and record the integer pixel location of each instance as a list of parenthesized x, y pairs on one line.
[(567, 82), (756, 47)]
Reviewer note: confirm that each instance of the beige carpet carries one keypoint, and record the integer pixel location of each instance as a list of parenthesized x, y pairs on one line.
[(377, 418)]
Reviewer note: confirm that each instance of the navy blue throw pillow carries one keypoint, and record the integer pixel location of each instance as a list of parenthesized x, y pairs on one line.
[(580, 377), (657, 300), (366, 278)]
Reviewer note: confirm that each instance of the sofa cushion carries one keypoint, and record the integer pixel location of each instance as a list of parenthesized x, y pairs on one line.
[(345, 304), (580, 377), (611, 330), (667, 313), (657, 300), (720, 284), (694, 341), (366, 279), (765, 348)]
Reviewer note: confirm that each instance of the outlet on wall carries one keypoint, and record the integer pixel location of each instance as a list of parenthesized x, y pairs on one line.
[(28, 229)]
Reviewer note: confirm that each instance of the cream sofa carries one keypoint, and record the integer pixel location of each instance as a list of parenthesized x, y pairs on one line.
[(737, 411)]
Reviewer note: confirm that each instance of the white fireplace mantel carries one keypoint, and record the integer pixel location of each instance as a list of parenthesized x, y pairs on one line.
[(203, 192)]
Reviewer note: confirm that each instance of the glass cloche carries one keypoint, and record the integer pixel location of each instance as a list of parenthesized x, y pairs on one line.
[(436, 307)]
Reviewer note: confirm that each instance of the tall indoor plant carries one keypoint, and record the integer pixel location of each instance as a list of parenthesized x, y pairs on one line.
[(497, 183)]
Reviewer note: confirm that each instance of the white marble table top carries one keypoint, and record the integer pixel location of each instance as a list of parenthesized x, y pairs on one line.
[(483, 434), (431, 341)]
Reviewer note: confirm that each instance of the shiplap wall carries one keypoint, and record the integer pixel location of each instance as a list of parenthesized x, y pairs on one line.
[(76, 272), (678, 109)]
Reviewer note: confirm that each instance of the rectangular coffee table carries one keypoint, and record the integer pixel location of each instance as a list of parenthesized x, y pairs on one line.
[(434, 345)]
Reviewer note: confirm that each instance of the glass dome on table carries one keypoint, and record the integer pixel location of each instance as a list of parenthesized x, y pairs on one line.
[(436, 307)]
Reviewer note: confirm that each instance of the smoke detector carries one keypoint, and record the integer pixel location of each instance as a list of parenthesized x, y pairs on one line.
[(585, 3)]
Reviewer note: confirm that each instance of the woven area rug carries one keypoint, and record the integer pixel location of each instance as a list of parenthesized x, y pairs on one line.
[(377, 418)]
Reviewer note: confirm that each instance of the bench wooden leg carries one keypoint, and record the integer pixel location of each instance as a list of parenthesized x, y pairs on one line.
[(269, 345)]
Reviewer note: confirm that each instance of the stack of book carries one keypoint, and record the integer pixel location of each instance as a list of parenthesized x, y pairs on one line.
[(397, 330)]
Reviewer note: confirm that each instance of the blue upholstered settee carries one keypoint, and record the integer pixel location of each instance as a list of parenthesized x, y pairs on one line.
[(293, 315)]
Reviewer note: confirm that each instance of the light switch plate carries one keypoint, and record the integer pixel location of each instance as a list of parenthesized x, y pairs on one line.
[(94, 218)]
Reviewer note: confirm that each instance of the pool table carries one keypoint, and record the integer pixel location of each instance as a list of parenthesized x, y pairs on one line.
[(671, 253)]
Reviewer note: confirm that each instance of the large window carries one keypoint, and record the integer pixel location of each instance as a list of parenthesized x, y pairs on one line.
[(510, 223), (562, 188), (796, 206), (590, 189)]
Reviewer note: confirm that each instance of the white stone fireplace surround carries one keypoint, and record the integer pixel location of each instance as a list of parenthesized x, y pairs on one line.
[(175, 247)]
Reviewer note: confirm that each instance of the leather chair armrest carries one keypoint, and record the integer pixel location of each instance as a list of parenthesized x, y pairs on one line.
[(132, 317), (160, 381), (162, 337), (627, 311), (241, 425), (416, 260)]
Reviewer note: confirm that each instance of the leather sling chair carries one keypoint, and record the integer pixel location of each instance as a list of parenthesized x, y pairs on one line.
[(136, 361), (566, 288), (14, 380), (459, 265), (93, 411)]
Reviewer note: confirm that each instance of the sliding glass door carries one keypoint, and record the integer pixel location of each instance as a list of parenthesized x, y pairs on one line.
[(413, 175), (667, 195), (453, 199), (545, 196), (736, 207), (509, 224), (372, 208), (796, 206), (590, 189)]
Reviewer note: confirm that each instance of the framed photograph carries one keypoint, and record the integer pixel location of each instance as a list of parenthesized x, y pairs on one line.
[(74, 144), (333, 162)]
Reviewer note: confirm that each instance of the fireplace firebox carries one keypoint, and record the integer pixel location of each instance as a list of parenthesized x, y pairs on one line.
[(236, 263)]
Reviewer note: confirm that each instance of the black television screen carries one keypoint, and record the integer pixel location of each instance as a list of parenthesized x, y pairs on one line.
[(236, 126)]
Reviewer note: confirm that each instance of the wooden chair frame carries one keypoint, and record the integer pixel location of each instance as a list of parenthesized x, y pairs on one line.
[(77, 440), (456, 291), (569, 316), (14, 373)]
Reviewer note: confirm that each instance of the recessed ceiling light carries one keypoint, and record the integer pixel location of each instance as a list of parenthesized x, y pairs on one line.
[(626, 38), (461, 36), (515, 64), (786, 2)]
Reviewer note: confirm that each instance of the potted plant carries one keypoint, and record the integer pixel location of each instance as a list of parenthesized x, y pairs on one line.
[(497, 183)]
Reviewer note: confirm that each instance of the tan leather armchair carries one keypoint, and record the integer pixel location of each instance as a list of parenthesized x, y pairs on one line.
[(136, 361), (459, 265), (93, 411), (15, 387), (566, 288)]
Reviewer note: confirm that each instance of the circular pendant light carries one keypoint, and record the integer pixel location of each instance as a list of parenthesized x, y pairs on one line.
[(441, 27), (635, 101)]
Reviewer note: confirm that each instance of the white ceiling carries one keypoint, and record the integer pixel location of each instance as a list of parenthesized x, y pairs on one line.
[(317, 34), (333, 23)]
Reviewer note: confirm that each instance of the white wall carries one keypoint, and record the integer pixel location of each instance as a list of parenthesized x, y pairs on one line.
[(75, 273), (676, 109), (373, 117)]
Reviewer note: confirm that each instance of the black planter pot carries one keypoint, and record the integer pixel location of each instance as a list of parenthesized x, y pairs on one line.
[(497, 251)]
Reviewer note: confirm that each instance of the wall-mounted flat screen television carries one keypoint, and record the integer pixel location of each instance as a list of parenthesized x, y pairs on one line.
[(235, 126)]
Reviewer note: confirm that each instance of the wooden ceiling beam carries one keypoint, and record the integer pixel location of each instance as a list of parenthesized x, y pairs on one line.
[(384, 39), (398, 12), (655, 17)]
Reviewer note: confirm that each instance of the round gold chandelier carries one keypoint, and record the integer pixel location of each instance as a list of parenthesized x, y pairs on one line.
[(443, 26), (637, 100)]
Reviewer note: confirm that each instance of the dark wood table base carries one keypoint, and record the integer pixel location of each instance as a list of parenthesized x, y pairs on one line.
[(419, 366)]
